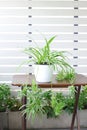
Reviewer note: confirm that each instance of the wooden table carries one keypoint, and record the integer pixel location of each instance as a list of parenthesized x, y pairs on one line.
[(81, 80)]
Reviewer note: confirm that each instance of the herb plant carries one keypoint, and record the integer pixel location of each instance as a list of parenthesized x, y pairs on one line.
[(13, 104), (6, 100), (4, 96)]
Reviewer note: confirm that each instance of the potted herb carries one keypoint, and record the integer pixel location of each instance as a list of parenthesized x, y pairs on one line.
[(46, 60)]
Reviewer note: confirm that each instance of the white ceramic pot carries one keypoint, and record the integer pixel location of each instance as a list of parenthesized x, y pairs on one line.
[(43, 73)]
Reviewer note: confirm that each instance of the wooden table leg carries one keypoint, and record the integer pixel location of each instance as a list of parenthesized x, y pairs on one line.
[(77, 93), (78, 120), (24, 100)]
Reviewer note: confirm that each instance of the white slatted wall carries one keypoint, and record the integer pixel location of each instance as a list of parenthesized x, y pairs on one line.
[(24, 20), (13, 37)]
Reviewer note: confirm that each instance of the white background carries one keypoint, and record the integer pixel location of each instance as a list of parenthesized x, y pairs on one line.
[(49, 17)]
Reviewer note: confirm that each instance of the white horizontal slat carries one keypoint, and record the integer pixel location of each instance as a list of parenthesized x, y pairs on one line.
[(60, 36), (83, 41), (82, 28), (13, 16), (82, 37), (52, 28), (54, 8), (13, 33), (51, 13), (81, 69), (82, 44), (52, 21), (16, 12), (62, 45), (82, 12), (52, 16), (83, 3), (13, 20), (82, 53), (11, 52), (14, 28), (82, 61), (12, 36), (52, 0), (12, 60), (52, 3), (79, 53), (14, 44), (12, 8), (53, 25), (53, 33), (15, 69), (14, 3), (12, 0), (82, 21), (78, 61)]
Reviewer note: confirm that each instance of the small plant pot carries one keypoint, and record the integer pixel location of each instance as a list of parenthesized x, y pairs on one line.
[(43, 73)]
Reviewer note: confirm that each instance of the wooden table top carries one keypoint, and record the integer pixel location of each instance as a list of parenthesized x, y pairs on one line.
[(20, 80)]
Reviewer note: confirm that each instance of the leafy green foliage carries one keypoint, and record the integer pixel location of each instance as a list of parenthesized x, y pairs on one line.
[(57, 103), (46, 56), (6, 101), (83, 98), (70, 99), (14, 104), (48, 108), (4, 96), (41, 55), (51, 103), (68, 75), (35, 101), (40, 102)]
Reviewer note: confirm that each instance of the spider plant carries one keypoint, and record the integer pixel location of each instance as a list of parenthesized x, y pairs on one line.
[(67, 74), (41, 102), (46, 56), (35, 101)]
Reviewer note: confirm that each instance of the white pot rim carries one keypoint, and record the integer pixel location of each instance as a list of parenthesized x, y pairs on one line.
[(41, 65)]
